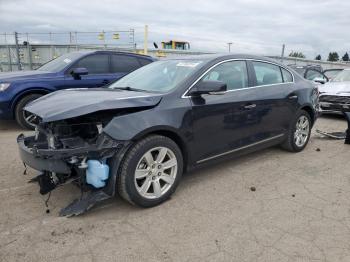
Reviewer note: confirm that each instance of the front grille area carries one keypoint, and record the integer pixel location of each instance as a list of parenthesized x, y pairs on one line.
[(335, 99)]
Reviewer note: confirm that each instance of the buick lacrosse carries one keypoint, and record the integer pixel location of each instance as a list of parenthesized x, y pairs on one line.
[(137, 136)]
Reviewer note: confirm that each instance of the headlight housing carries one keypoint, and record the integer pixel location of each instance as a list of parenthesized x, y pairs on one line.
[(4, 86)]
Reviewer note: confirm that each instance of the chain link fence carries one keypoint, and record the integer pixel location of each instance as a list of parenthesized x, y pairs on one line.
[(26, 51)]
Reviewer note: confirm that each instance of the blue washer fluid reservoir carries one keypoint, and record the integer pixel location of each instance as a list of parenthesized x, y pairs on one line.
[(97, 173)]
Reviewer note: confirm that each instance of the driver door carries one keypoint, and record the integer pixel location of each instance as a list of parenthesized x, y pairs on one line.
[(228, 121)]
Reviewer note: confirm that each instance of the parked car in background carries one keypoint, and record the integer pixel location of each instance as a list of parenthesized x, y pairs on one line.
[(335, 95), (311, 72), (163, 119), (331, 73), (82, 69)]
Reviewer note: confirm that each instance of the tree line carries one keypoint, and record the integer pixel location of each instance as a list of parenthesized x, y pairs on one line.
[(332, 56)]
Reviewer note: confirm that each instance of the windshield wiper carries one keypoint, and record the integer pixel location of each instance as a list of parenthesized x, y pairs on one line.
[(128, 88)]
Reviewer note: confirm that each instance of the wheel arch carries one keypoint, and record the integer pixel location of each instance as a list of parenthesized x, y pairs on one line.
[(311, 112), (19, 96), (173, 135)]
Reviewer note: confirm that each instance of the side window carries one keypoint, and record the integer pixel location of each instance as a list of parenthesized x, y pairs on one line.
[(144, 62), (267, 74), (311, 74), (95, 64), (287, 77), (124, 63), (234, 74)]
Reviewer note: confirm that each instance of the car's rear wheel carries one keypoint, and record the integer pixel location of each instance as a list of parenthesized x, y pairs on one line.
[(299, 132), (23, 118), (150, 171)]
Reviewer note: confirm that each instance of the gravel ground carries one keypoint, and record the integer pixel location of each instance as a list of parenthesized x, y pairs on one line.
[(299, 211)]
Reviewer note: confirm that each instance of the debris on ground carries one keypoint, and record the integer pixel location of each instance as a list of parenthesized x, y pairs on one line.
[(333, 135)]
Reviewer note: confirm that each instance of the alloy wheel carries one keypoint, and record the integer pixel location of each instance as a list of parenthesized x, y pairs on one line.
[(156, 172), (302, 130), (30, 118)]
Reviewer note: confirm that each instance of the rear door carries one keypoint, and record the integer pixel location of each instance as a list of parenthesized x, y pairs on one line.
[(277, 100), (222, 123), (99, 74)]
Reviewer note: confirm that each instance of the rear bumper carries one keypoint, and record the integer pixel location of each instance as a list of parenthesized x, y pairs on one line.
[(39, 163)]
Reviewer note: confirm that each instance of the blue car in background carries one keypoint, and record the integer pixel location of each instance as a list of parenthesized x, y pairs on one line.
[(81, 69)]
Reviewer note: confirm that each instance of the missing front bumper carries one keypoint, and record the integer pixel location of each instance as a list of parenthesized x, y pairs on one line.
[(58, 164), (35, 161)]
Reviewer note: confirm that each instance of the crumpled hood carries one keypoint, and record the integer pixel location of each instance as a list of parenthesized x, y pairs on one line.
[(71, 103), (23, 75), (335, 88)]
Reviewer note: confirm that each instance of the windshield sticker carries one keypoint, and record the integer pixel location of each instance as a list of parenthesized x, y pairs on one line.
[(67, 60), (188, 64)]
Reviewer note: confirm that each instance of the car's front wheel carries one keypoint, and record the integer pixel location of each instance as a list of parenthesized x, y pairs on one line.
[(23, 118), (151, 171), (299, 132)]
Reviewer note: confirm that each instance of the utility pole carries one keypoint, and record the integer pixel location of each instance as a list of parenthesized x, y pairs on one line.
[(229, 46), (51, 46), (17, 52), (76, 40), (132, 36), (282, 54), (9, 54), (145, 41), (29, 53)]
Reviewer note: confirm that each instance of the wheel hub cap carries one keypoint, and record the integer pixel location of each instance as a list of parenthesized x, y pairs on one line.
[(155, 172), (301, 133)]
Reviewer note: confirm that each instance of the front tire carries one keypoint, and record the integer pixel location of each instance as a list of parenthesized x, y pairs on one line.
[(151, 171), (25, 119), (299, 132)]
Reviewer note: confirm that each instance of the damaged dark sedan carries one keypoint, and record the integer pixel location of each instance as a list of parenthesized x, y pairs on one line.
[(139, 135)]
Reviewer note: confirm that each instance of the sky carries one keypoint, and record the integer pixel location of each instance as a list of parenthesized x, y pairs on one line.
[(253, 26)]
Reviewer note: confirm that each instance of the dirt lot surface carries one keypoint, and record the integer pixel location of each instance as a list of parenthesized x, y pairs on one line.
[(298, 212)]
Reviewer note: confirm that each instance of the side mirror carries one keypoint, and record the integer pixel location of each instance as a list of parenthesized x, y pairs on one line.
[(77, 72), (209, 87), (320, 80)]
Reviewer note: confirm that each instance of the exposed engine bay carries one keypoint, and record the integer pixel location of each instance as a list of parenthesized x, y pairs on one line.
[(72, 150)]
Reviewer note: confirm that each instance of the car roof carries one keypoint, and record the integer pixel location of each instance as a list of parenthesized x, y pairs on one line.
[(223, 56), (86, 52)]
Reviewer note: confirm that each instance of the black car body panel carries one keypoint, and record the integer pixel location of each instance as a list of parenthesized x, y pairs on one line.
[(72, 103), (206, 127)]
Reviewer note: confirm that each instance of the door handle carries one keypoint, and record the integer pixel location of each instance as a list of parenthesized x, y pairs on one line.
[(250, 106), (292, 97)]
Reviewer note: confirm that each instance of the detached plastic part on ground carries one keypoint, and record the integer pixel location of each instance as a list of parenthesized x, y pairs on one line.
[(338, 135)]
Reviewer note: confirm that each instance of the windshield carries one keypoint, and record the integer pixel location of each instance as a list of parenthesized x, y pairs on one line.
[(342, 76), (60, 62), (161, 76)]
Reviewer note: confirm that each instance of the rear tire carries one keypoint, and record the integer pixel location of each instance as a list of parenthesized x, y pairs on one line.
[(299, 132), (150, 171), (21, 116)]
